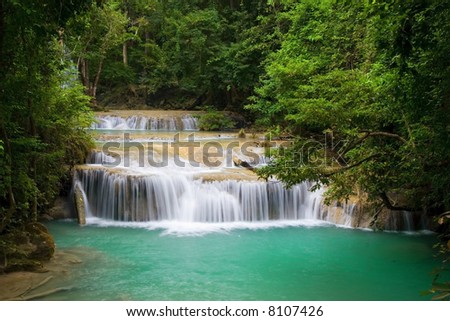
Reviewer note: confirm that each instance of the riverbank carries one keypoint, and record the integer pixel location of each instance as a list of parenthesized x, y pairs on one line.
[(51, 279)]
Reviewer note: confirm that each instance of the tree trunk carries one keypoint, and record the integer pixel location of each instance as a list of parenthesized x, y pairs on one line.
[(2, 28), (33, 167), (146, 51), (9, 191), (125, 53), (84, 73), (97, 78)]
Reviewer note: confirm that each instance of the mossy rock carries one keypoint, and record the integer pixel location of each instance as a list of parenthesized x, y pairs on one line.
[(41, 239), (26, 248)]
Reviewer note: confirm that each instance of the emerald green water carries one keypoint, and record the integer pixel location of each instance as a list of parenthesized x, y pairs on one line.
[(289, 263)]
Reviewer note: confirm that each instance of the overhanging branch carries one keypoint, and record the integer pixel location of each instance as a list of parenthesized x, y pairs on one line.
[(385, 134), (345, 168), (368, 134), (390, 206)]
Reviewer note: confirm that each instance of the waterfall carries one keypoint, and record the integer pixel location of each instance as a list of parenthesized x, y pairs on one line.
[(169, 124), (148, 184), (165, 196), (189, 122), (402, 221), (186, 122), (99, 158), (408, 221)]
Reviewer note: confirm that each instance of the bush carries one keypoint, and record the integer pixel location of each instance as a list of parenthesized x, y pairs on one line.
[(215, 120)]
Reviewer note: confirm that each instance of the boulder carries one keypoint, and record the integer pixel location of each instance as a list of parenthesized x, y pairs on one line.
[(42, 242)]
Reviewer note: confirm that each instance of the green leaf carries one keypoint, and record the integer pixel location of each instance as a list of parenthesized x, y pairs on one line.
[(441, 296)]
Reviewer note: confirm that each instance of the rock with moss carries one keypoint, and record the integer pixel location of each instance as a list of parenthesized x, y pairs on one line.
[(25, 249), (43, 242)]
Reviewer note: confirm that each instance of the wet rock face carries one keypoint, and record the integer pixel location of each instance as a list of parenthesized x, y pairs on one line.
[(80, 205), (61, 209)]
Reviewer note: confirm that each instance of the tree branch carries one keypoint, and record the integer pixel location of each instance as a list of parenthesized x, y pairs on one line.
[(368, 134), (345, 168), (385, 134), (354, 144), (390, 206)]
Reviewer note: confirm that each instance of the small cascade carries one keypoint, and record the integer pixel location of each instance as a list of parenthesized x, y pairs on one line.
[(169, 124), (186, 122), (408, 221), (340, 213), (254, 158), (164, 196), (99, 158), (189, 122), (401, 221)]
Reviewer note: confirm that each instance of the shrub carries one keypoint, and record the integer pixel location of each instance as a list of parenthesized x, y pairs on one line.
[(215, 120)]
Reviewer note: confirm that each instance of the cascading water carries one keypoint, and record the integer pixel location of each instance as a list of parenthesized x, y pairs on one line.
[(99, 158), (186, 122), (165, 196), (189, 122), (401, 220), (126, 188)]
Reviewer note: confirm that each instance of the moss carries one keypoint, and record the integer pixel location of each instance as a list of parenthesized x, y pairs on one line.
[(26, 249), (42, 240)]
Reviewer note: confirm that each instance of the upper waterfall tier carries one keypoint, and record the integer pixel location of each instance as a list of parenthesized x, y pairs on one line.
[(185, 122)]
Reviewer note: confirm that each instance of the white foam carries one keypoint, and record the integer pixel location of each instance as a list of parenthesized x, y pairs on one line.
[(179, 228)]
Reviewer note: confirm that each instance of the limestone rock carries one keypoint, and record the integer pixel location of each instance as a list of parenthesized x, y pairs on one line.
[(80, 205), (43, 242)]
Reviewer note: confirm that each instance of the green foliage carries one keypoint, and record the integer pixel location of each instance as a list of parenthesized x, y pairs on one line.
[(273, 133), (116, 74), (210, 50), (215, 120), (440, 289), (92, 36), (364, 86), (43, 110)]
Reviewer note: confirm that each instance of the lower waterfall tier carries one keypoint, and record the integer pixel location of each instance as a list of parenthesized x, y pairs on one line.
[(119, 197)]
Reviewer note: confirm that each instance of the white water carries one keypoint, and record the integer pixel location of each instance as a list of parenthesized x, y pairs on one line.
[(99, 158), (128, 189), (401, 220), (179, 198), (187, 122)]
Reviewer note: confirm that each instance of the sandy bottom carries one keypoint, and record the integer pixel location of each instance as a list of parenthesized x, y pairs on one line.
[(34, 285)]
